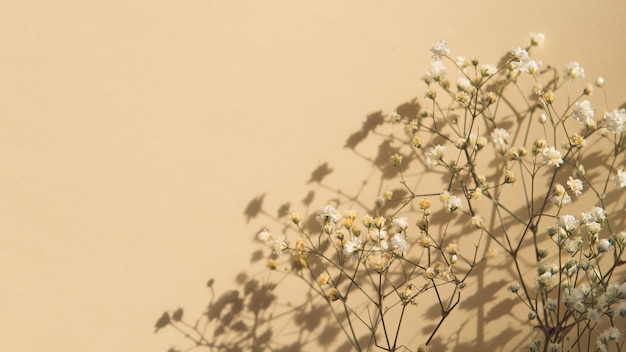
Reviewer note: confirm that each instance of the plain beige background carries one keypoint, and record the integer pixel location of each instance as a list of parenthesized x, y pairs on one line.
[(133, 134)]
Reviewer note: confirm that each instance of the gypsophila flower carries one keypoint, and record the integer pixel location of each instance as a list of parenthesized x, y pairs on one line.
[(584, 113), (437, 152), (537, 39), (514, 286), (327, 214), (439, 49), (396, 159), (264, 236), (599, 82), (595, 214), (549, 155), (509, 177), (533, 67), (542, 118), (295, 217), (452, 203), (521, 59), (437, 71), (402, 223), (568, 222), (499, 137), (488, 70), (614, 120), (279, 245), (463, 84), (452, 248), (575, 141), (620, 178), (492, 253), (575, 185), (593, 314), (545, 279), (573, 70), (603, 245), (398, 241), (353, 246), (322, 279), (477, 222)]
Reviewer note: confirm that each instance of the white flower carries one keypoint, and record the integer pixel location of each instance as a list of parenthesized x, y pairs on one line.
[(620, 178), (593, 314), (452, 203), (575, 185), (402, 223), (532, 67), (352, 246), (551, 156), (327, 214), (279, 245), (263, 236), (568, 222), (573, 70), (499, 136), (398, 241), (545, 279), (521, 60), (584, 112), (439, 49), (614, 120), (437, 152), (595, 214), (537, 39), (463, 83), (437, 71), (603, 245), (488, 69), (561, 200)]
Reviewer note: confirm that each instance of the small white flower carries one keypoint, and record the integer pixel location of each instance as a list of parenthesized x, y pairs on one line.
[(603, 245), (551, 156), (620, 178), (573, 70), (521, 60), (593, 314), (327, 214), (437, 152), (279, 245), (453, 203), (575, 185), (437, 71), (439, 49), (402, 223), (584, 112), (499, 136), (595, 214), (398, 241), (614, 120), (561, 200), (537, 39), (263, 236), (568, 222), (352, 246), (488, 69)]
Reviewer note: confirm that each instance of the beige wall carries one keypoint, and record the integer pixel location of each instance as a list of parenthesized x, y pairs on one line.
[(134, 134)]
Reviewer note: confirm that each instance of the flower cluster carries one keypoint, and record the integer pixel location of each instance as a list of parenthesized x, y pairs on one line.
[(507, 173)]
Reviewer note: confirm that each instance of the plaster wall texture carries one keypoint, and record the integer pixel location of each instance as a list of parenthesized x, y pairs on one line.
[(134, 135)]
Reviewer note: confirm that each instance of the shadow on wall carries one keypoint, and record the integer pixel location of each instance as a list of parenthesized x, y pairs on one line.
[(251, 317)]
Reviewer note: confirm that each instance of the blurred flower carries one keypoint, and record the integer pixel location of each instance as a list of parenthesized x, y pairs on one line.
[(573, 70), (439, 49)]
